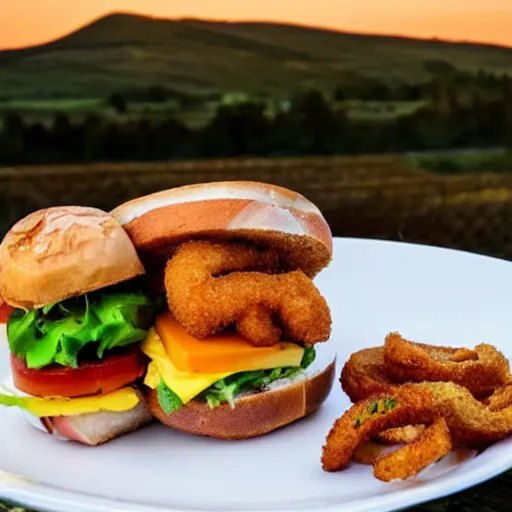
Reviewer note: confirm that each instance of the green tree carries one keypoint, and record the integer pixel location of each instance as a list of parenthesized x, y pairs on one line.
[(237, 130), (339, 94), (506, 90), (93, 133), (158, 94), (320, 130), (12, 141), (118, 102)]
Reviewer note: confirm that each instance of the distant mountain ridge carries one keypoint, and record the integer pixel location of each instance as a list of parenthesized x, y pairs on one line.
[(122, 51)]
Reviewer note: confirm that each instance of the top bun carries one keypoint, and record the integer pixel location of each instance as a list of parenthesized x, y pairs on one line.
[(61, 252), (264, 214)]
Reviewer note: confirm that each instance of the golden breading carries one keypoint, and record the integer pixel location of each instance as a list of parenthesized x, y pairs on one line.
[(364, 374), (212, 285), (406, 361), (470, 422), (430, 446)]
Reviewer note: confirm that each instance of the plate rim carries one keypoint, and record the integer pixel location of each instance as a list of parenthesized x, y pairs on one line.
[(47, 498)]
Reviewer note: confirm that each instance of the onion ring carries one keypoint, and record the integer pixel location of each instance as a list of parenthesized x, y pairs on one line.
[(471, 423), (364, 374), (430, 446), (211, 286), (480, 370)]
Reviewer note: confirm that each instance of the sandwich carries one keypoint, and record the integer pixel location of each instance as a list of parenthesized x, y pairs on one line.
[(239, 350), (71, 277)]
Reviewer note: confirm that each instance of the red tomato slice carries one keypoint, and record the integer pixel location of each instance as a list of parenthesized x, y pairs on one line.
[(5, 311), (113, 372)]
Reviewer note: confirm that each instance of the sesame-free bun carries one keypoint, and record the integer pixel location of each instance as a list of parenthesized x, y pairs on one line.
[(261, 213), (254, 414), (61, 252)]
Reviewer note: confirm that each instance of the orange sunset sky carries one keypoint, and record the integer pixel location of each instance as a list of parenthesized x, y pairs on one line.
[(28, 22)]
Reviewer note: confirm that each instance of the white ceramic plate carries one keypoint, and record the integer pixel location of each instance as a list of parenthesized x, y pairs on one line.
[(428, 294)]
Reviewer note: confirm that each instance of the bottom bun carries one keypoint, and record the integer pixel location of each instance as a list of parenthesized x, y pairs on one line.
[(254, 414)]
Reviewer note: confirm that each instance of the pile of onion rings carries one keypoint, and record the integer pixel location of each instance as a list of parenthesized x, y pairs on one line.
[(413, 403)]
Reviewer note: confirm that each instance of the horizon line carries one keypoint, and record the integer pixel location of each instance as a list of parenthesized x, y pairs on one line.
[(254, 21)]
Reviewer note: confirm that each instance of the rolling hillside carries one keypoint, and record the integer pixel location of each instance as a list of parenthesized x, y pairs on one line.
[(122, 51)]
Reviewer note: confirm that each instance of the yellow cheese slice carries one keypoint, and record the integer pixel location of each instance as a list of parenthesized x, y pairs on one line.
[(120, 400), (188, 385), (222, 352)]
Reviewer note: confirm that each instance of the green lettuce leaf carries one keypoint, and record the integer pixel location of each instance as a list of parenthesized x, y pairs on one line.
[(226, 390), (13, 401), (169, 401), (57, 333)]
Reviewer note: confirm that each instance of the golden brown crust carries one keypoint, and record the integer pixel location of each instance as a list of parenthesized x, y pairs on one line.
[(264, 214), (254, 415), (401, 435), (244, 295), (364, 374), (430, 446), (60, 252), (481, 370)]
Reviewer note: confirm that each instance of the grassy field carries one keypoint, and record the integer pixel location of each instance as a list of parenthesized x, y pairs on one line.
[(44, 111), (379, 110), (369, 196), (464, 162), (121, 52)]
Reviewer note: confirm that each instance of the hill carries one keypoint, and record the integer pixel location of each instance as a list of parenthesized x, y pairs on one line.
[(123, 51)]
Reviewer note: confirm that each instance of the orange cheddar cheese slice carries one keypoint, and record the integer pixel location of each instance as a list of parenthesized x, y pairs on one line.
[(223, 352)]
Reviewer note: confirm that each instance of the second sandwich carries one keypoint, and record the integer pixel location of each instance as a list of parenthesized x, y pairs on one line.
[(235, 355)]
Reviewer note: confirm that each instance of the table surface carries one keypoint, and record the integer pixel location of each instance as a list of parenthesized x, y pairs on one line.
[(491, 496)]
